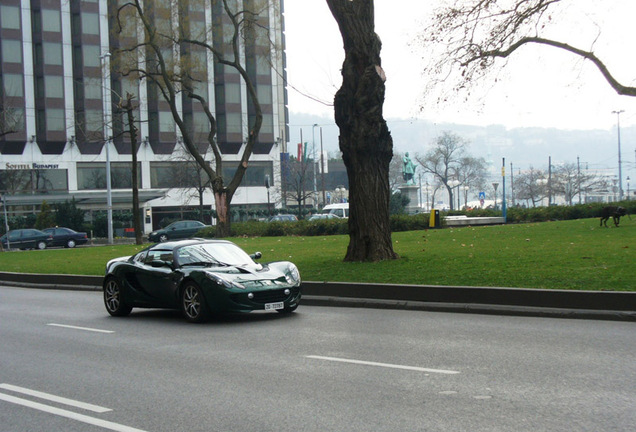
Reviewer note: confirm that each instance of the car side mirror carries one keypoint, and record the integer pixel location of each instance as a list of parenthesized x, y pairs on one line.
[(256, 255)]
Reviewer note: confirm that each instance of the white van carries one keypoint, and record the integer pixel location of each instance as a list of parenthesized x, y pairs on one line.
[(340, 209)]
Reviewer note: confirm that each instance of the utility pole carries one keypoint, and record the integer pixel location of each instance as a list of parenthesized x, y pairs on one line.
[(512, 190), (549, 181), (578, 177), (620, 170)]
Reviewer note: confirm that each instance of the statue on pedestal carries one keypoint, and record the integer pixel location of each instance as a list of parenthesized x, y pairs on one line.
[(408, 170)]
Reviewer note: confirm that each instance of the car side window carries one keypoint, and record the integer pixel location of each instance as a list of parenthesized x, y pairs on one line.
[(157, 256)]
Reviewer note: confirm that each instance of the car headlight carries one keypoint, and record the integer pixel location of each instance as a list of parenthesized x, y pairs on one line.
[(292, 276), (223, 282)]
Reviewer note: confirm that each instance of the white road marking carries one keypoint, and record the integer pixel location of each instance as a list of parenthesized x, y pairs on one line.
[(386, 365), (53, 398), (69, 414), (80, 328)]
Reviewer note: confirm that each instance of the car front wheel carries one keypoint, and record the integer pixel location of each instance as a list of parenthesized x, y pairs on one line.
[(163, 238), (41, 245), (70, 243), (113, 299), (193, 304)]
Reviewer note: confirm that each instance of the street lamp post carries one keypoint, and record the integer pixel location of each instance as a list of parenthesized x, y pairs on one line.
[(620, 169), (3, 199), (495, 185), (627, 188), (313, 161), (107, 125)]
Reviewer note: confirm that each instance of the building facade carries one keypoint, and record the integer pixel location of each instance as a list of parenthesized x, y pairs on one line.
[(61, 125)]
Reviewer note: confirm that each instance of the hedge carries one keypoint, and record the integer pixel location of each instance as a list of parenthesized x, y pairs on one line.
[(416, 222)]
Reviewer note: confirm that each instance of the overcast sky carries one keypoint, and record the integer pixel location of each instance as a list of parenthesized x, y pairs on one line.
[(541, 87)]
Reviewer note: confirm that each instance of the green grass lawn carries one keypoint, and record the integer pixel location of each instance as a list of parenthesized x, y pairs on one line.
[(575, 254)]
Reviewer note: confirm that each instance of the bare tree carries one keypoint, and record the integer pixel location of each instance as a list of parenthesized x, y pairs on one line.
[(471, 173), (297, 182), (126, 105), (477, 33), (532, 186), (569, 181), (444, 161), (365, 140), (168, 46)]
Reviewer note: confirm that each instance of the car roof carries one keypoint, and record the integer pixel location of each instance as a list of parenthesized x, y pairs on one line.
[(172, 245)]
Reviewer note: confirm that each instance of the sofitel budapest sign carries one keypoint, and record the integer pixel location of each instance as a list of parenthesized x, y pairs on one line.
[(34, 165)]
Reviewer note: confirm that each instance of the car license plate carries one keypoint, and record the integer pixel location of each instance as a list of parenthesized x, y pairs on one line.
[(274, 306)]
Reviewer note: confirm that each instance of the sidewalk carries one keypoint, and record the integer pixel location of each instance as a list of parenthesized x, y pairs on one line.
[(602, 305)]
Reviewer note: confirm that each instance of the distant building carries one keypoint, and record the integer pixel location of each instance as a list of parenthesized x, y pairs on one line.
[(53, 109)]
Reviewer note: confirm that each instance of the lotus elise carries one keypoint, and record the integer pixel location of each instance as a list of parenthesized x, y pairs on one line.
[(201, 278)]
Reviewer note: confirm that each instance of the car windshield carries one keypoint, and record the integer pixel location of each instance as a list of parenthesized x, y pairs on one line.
[(214, 253)]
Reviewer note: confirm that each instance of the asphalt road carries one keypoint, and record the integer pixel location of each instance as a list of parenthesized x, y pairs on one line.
[(321, 369)]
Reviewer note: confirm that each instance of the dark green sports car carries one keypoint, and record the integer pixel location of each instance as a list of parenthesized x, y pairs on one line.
[(200, 277)]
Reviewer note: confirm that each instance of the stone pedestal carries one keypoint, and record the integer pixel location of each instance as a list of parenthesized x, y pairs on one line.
[(411, 191)]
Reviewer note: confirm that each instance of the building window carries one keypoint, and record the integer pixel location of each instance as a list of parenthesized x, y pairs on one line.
[(55, 120), (51, 20), (52, 53), (233, 123), (94, 121), (264, 94), (92, 175), (176, 175), (11, 51), (27, 181), (255, 174), (12, 85), (91, 55), (10, 17), (90, 23), (53, 86), (92, 88), (166, 122)]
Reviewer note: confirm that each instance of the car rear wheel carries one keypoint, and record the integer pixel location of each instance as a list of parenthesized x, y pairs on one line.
[(70, 243), (113, 299), (193, 304), (41, 245), (163, 238)]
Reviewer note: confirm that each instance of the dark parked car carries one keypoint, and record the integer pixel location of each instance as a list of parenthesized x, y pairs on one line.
[(26, 239), (66, 237), (177, 230), (323, 216), (283, 218), (201, 278)]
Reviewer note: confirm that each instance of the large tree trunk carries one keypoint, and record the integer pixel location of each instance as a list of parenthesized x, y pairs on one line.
[(365, 140), (223, 222)]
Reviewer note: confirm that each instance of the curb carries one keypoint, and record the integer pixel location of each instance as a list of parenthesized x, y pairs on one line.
[(601, 305)]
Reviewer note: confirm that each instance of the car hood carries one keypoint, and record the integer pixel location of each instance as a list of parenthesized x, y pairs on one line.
[(250, 275)]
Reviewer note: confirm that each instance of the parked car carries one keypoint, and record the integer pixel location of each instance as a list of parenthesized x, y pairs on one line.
[(177, 230), (283, 218), (66, 237), (200, 277), (339, 209), (324, 216), (28, 238)]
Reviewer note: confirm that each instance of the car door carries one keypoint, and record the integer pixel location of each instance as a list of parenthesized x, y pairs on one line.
[(177, 231), (192, 229), (158, 280), (15, 239)]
